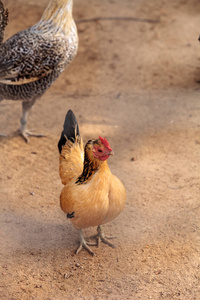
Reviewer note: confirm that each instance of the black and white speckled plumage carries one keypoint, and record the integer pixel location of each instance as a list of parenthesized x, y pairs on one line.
[(28, 56), (3, 20), (31, 60)]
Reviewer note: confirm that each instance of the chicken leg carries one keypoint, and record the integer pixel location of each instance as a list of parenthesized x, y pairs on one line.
[(26, 106)]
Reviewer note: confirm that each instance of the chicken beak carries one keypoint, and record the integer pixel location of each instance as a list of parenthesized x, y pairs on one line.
[(112, 153)]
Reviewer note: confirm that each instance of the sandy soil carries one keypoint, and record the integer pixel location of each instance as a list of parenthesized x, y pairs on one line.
[(137, 83)]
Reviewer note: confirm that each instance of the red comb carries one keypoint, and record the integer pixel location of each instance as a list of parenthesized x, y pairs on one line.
[(105, 143)]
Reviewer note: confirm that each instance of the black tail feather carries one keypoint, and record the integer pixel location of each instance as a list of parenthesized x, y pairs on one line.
[(70, 130)]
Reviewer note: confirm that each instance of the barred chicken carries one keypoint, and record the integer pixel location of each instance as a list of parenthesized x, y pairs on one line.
[(31, 60), (92, 195)]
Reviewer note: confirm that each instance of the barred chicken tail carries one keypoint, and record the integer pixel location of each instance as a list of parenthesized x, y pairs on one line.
[(3, 20), (70, 130)]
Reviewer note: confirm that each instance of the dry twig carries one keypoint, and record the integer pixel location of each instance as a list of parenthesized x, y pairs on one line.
[(117, 18)]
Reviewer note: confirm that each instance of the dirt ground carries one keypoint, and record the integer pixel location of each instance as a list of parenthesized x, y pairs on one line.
[(137, 83)]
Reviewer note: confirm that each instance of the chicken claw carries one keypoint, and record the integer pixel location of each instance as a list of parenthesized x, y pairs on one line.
[(26, 133), (101, 237), (84, 244)]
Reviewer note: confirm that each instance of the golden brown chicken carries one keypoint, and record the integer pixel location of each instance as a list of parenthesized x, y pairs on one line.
[(31, 60), (92, 195)]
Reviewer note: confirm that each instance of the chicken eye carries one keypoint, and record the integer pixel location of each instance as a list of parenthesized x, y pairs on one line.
[(99, 150)]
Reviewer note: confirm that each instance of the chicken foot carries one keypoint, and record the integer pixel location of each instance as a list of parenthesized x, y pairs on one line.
[(84, 244), (23, 131), (102, 238)]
